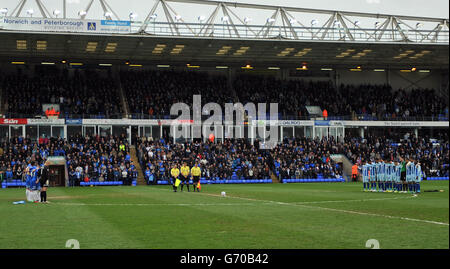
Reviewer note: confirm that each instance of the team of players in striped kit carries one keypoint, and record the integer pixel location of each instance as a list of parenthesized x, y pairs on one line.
[(389, 176)]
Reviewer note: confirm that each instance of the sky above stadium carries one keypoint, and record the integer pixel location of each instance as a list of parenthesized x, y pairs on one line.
[(420, 8)]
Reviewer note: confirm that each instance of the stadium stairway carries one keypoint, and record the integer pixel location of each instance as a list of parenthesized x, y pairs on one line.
[(134, 158), (274, 178), (123, 100)]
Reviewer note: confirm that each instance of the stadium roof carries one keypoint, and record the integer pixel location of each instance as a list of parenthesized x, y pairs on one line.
[(225, 36), (147, 49)]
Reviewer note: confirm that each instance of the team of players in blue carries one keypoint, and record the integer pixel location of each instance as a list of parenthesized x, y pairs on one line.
[(32, 183), (389, 176)]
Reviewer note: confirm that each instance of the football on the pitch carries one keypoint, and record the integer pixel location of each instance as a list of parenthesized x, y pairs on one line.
[(223, 194)]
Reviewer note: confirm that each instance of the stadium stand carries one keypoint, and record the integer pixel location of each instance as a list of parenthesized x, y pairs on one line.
[(150, 94), (98, 160), (294, 160), (83, 95)]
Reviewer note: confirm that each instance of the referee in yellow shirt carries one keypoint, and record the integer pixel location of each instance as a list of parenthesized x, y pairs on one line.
[(196, 172), (184, 176), (175, 172)]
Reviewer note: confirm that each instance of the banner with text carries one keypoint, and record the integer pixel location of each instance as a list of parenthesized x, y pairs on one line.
[(65, 25)]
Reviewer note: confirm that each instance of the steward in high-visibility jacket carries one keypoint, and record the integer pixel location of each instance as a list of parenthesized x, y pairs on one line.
[(354, 172)]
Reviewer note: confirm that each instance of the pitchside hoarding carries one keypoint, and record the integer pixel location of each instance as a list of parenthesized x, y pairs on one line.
[(65, 25)]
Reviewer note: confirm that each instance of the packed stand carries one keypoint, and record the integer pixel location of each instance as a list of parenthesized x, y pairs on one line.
[(297, 158), (383, 103), (150, 94), (237, 158), (83, 95), (89, 158), (432, 154)]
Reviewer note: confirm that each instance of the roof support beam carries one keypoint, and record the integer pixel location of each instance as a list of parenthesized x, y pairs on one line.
[(148, 18)]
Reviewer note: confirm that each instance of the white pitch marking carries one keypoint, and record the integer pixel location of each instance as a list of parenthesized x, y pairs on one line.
[(343, 210), (160, 204)]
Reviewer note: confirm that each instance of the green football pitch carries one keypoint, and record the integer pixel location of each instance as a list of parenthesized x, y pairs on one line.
[(251, 216)]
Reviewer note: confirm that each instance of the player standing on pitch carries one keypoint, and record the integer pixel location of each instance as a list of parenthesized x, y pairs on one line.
[(365, 176), (184, 176), (403, 176), (418, 178), (44, 182)]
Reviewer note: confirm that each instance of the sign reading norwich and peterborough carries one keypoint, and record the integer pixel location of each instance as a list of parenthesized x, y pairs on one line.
[(65, 25)]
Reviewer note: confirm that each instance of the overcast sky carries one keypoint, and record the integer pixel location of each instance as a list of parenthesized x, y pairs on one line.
[(190, 12)]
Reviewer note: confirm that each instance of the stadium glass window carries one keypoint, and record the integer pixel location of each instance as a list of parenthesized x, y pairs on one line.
[(31, 132), (299, 131), (156, 132), (166, 132), (73, 130), (104, 130), (16, 131), (340, 134), (288, 132), (333, 132), (88, 130), (58, 131), (44, 131), (145, 131), (4, 133), (309, 131), (119, 130)]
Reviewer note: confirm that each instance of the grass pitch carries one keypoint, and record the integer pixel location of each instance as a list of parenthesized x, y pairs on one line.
[(256, 216)]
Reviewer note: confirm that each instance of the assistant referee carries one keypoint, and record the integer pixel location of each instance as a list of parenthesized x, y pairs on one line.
[(174, 172), (184, 176), (196, 172)]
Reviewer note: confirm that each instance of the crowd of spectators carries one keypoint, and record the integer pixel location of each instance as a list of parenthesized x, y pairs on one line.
[(292, 158), (89, 158), (433, 154), (82, 95), (96, 158), (238, 158), (107, 158), (151, 93), (382, 102)]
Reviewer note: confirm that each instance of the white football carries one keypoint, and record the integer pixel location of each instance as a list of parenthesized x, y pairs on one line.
[(223, 194)]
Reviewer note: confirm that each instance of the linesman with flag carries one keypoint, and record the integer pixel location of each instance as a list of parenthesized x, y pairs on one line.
[(196, 172), (175, 172)]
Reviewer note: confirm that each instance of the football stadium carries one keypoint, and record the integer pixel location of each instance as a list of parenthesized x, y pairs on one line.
[(190, 124)]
